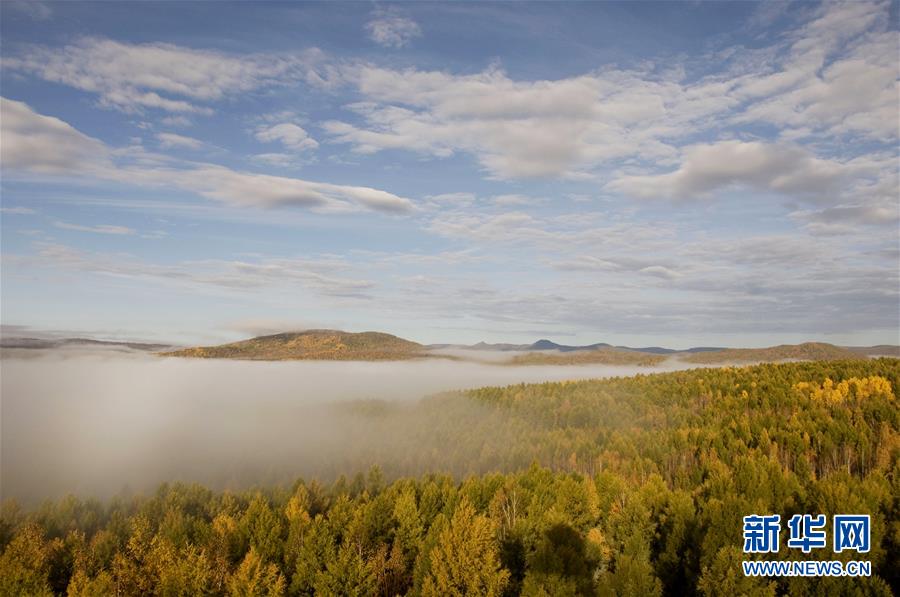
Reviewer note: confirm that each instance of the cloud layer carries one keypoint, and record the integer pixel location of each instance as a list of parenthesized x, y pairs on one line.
[(392, 30), (653, 187), (134, 77), (836, 75), (36, 143)]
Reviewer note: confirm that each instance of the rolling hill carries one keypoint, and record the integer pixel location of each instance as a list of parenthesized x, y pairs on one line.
[(808, 351), (545, 345), (882, 350), (330, 345), (598, 356), (50, 343), (336, 345)]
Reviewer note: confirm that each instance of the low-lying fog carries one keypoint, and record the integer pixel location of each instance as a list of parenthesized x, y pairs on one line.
[(94, 422)]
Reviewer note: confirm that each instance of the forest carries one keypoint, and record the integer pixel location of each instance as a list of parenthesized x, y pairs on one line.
[(623, 486)]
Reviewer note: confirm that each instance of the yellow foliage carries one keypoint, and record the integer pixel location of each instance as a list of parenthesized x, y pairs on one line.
[(854, 388)]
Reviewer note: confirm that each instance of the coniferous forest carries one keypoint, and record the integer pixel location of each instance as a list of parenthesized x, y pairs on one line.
[(625, 486)]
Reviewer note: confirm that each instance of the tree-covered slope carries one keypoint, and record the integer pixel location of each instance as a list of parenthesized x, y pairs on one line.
[(312, 345), (808, 351), (596, 356)]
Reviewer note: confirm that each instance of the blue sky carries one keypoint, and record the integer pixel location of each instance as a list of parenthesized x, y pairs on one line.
[(638, 173)]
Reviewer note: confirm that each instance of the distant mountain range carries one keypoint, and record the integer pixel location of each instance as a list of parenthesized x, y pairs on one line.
[(882, 350), (598, 356), (808, 351), (378, 346), (545, 344), (45, 343)]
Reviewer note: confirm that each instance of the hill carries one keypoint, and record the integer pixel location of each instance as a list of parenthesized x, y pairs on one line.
[(545, 344), (48, 343), (808, 351), (325, 345), (661, 350), (598, 356), (882, 350)]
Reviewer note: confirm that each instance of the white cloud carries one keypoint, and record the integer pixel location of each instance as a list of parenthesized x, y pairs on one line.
[(578, 232), (134, 77), (614, 262), (98, 229), (443, 200), (868, 214), (37, 10), (520, 129), (170, 140), (505, 227), (262, 190), (835, 76), (20, 211), (155, 234), (465, 199), (767, 167), (36, 143), (785, 120), (850, 219), (290, 135), (660, 272), (278, 116), (44, 144), (839, 76), (442, 258), (311, 275), (175, 121), (279, 160), (513, 199), (392, 30)]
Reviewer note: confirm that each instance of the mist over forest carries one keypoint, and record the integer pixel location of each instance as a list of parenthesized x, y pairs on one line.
[(94, 422)]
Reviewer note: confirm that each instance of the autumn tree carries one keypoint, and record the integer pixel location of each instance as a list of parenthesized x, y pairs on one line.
[(465, 559)]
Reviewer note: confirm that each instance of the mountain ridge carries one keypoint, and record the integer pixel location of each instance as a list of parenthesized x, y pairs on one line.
[(26, 342), (806, 351), (544, 344), (325, 344), (330, 344)]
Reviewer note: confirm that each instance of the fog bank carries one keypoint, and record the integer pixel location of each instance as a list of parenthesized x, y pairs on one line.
[(93, 422)]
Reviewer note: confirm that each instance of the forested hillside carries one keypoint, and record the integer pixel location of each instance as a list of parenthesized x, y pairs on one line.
[(601, 356), (627, 486), (310, 344), (808, 351)]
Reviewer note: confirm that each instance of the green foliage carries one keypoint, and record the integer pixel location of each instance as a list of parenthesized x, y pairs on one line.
[(616, 487), (255, 578), (262, 529), (24, 565), (725, 577), (465, 561)]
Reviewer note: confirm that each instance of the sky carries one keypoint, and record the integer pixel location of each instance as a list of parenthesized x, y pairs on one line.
[(639, 173)]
